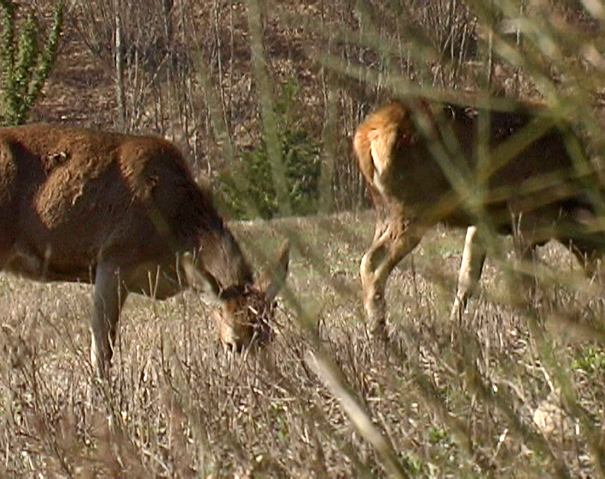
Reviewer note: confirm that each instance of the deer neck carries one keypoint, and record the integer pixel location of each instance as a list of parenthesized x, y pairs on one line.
[(222, 257)]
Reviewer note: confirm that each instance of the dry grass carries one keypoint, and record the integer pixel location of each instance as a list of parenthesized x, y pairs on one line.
[(517, 389), (448, 402)]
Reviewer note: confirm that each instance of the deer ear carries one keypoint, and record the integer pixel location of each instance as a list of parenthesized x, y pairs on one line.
[(273, 280), (200, 279)]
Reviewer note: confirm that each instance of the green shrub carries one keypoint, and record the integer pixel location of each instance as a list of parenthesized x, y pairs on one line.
[(24, 65), (248, 190)]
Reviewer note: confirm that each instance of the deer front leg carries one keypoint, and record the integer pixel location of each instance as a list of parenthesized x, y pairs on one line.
[(473, 258), (586, 245), (386, 251), (589, 257), (109, 296)]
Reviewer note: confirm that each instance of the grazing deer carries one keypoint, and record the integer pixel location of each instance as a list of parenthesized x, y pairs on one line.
[(123, 212), (519, 170)]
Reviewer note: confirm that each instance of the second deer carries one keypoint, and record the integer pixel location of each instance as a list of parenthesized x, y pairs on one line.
[(517, 169)]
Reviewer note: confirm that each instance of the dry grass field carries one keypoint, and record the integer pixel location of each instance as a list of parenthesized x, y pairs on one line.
[(515, 389), (512, 391)]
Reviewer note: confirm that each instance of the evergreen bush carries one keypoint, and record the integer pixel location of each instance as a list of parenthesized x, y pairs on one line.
[(25, 64)]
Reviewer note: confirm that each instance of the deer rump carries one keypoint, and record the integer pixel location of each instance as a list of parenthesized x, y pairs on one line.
[(122, 212), (426, 163)]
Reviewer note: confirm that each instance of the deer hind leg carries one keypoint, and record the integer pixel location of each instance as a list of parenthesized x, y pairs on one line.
[(473, 259), (109, 296), (391, 244)]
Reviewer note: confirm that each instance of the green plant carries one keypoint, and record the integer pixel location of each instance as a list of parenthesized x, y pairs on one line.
[(592, 361), (413, 465), (25, 65), (437, 435), (249, 191)]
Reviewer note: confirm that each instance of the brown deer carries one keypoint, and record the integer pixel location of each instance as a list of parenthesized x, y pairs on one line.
[(519, 169), (124, 213)]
